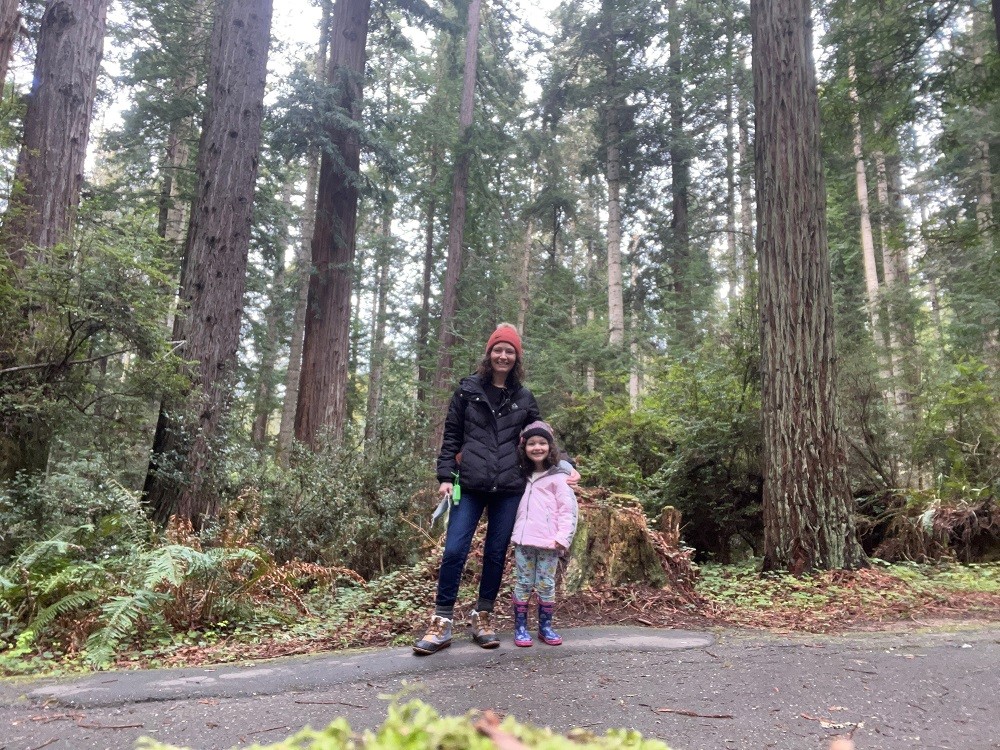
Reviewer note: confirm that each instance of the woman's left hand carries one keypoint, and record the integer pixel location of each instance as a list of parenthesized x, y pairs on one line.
[(574, 478)]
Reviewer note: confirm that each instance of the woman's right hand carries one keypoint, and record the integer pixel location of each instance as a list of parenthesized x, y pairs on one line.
[(446, 489)]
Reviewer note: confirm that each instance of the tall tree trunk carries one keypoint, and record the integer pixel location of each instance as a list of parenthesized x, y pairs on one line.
[(10, 24), (808, 507), (424, 322), (616, 297), (456, 221), (732, 242), (264, 402), (49, 171), (748, 254), (524, 277), (882, 351), (41, 209), (896, 273), (322, 406), (680, 170), (383, 259), (376, 366), (214, 274), (303, 264), (635, 365), (984, 202), (930, 272)]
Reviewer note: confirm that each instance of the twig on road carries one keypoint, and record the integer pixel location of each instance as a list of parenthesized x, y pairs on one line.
[(42, 719), (109, 726), (329, 703), (44, 744), (686, 712), (269, 729)]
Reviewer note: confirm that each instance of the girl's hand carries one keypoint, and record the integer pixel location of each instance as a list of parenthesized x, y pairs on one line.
[(561, 549), (446, 489)]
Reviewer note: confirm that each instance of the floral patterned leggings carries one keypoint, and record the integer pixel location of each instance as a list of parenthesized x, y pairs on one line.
[(536, 569)]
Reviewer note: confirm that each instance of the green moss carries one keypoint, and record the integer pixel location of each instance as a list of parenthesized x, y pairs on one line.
[(417, 726)]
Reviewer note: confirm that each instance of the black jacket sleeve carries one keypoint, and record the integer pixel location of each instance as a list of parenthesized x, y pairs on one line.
[(454, 437)]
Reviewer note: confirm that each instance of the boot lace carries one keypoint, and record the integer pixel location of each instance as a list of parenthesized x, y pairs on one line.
[(437, 627), (484, 626)]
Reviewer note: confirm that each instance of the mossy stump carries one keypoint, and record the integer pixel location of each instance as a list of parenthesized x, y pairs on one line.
[(613, 545)]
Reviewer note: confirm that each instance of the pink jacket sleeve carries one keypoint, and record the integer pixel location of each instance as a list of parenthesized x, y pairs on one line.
[(566, 513)]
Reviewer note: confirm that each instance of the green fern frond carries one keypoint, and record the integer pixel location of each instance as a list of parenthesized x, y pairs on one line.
[(67, 604), (164, 565), (119, 617), (72, 576)]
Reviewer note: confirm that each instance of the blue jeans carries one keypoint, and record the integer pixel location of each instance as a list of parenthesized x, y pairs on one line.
[(501, 512)]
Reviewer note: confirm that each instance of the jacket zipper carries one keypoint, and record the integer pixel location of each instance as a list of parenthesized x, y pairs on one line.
[(527, 507)]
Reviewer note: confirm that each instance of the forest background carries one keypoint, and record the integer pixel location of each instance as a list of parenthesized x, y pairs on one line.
[(423, 171)]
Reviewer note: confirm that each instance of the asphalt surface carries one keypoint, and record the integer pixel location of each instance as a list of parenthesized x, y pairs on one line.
[(927, 689)]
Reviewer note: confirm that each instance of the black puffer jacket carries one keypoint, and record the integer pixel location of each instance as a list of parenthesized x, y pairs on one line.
[(486, 440)]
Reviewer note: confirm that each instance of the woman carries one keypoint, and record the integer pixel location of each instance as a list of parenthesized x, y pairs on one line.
[(481, 433)]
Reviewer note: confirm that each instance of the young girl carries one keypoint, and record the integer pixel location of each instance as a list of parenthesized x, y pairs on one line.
[(546, 522)]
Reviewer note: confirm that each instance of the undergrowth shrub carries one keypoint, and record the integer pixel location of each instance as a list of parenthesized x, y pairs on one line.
[(337, 507), (57, 597), (693, 443), (74, 493)]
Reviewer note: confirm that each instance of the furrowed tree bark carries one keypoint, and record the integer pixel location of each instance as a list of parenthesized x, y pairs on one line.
[(49, 171), (326, 353), (808, 508), (214, 274), (456, 223), (43, 203)]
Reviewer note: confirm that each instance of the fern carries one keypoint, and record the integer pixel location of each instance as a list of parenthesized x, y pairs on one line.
[(120, 616), (65, 605), (72, 576), (167, 564)]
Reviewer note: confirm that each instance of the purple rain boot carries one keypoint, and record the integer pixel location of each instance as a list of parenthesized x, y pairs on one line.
[(521, 635), (545, 631)]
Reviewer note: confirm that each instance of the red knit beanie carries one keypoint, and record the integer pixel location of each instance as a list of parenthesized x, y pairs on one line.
[(507, 334)]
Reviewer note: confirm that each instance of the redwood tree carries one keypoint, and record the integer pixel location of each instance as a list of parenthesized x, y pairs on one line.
[(43, 204), (56, 127), (215, 261), (322, 405), (808, 508)]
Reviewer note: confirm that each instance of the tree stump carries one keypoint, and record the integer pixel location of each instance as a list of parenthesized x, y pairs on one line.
[(614, 545)]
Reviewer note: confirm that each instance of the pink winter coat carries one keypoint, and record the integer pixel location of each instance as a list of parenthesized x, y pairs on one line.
[(547, 513)]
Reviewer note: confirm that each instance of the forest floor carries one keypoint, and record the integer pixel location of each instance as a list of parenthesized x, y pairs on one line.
[(883, 598)]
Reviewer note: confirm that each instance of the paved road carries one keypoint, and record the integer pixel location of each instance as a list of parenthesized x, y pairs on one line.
[(932, 690)]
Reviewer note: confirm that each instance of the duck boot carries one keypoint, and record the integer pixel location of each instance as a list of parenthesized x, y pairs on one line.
[(437, 637), (483, 632), (545, 631), (521, 635)]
